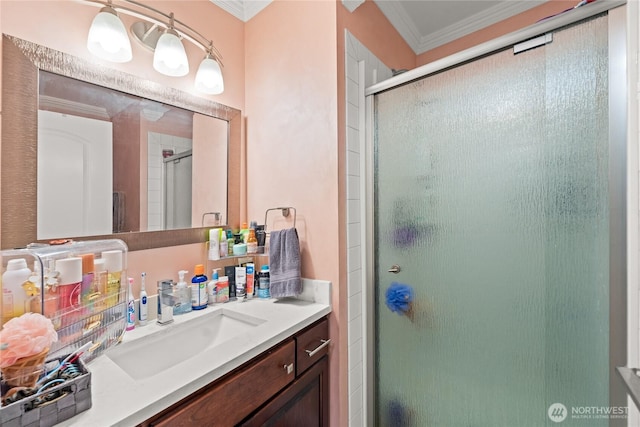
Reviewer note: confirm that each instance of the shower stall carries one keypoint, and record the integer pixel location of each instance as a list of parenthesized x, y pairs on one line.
[(498, 231)]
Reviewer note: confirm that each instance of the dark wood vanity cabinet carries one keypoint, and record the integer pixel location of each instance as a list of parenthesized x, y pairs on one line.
[(285, 386)]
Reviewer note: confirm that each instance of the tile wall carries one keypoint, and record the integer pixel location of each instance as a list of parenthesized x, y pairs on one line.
[(362, 70)]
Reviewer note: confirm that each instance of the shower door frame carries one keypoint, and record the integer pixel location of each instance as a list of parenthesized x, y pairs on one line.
[(617, 27)]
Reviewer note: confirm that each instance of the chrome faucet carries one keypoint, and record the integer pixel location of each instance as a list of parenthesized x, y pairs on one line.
[(165, 301)]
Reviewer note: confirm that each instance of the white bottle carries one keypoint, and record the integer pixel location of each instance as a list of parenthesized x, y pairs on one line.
[(14, 296), (214, 244), (131, 307), (143, 310)]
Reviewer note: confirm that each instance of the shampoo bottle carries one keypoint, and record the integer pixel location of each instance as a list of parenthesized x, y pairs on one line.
[(199, 289), (212, 287), (131, 308), (143, 310)]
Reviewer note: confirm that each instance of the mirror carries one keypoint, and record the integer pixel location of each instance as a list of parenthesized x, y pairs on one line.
[(177, 128)]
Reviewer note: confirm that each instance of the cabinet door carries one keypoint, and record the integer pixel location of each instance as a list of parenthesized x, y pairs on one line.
[(303, 403), (236, 396)]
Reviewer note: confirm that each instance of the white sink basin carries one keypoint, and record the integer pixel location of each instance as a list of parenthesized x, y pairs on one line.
[(177, 343)]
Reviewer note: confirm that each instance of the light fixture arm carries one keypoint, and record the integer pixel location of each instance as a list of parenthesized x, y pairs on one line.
[(183, 30)]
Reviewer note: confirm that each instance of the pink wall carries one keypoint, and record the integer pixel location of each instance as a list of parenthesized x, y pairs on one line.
[(63, 25), (292, 155)]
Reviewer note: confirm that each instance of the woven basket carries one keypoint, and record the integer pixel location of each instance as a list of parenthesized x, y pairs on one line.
[(26, 371)]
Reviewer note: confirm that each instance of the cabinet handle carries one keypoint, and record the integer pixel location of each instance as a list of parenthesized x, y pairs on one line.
[(288, 368), (320, 347)]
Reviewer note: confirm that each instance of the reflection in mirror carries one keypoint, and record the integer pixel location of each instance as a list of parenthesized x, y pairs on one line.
[(151, 126), (112, 162)]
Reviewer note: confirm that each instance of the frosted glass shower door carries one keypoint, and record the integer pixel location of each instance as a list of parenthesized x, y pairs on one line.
[(492, 196)]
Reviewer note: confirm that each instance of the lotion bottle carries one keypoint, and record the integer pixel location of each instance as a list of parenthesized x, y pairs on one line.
[(143, 310), (131, 308)]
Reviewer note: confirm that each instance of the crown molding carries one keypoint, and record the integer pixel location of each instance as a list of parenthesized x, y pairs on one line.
[(47, 102), (352, 5), (464, 27), (242, 9), (420, 43), (402, 22), (253, 7)]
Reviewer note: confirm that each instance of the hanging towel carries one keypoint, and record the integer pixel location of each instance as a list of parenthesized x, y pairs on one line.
[(284, 263)]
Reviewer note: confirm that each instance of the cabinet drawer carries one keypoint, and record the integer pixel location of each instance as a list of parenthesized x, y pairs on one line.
[(311, 345), (226, 403)]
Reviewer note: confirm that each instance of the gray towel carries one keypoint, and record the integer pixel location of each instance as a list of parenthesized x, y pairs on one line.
[(284, 263)]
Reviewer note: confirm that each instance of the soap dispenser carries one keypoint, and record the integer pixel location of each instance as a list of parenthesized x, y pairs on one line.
[(183, 295)]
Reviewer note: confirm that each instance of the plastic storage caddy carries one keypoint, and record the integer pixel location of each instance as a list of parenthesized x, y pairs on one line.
[(78, 286)]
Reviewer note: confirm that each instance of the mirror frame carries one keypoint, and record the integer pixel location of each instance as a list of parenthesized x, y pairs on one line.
[(21, 62)]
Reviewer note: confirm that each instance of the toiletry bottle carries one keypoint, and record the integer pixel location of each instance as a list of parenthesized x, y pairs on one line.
[(199, 289), (244, 231), (223, 289), (131, 307), (264, 282), (113, 264), (230, 272), (241, 282), (230, 242), (183, 297), (100, 277), (13, 295), (214, 244), (143, 310), (250, 279), (212, 290), (252, 242), (88, 261), (223, 244), (69, 282)]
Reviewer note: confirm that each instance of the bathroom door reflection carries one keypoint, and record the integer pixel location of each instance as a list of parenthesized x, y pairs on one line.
[(177, 190)]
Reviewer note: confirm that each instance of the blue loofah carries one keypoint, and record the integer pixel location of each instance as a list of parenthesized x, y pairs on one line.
[(399, 297)]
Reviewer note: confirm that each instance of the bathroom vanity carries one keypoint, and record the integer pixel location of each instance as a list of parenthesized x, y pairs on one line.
[(237, 363), (288, 384)]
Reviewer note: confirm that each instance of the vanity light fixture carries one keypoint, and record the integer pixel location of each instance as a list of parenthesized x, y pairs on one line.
[(108, 37), (170, 57), (209, 77), (108, 40)]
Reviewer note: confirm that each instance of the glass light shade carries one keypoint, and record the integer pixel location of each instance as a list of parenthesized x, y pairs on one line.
[(108, 38), (170, 57), (209, 77)]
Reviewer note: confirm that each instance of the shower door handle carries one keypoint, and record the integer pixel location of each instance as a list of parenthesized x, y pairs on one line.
[(395, 269)]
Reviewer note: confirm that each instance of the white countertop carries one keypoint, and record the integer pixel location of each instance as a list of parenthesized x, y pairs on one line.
[(120, 400)]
